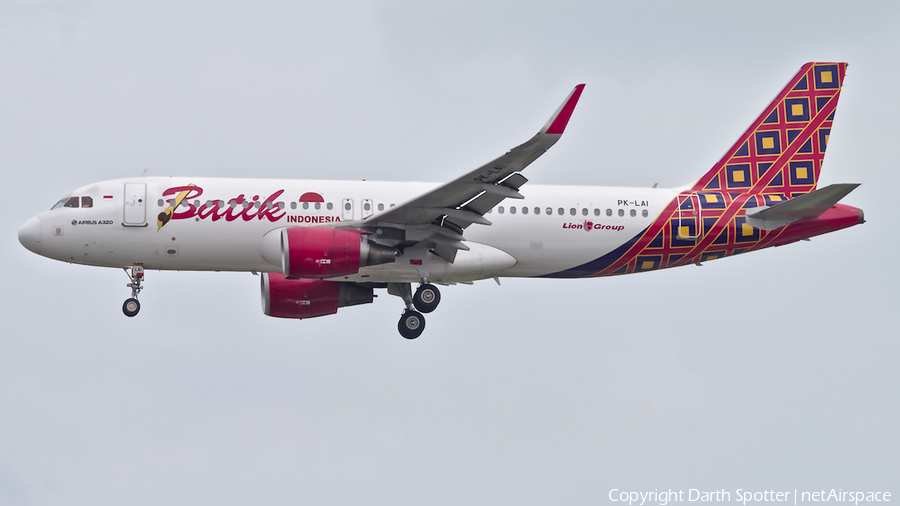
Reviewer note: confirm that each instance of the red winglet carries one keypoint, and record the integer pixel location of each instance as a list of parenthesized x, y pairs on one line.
[(557, 124)]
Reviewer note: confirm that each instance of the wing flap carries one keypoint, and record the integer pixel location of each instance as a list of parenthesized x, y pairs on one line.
[(514, 181), (484, 203)]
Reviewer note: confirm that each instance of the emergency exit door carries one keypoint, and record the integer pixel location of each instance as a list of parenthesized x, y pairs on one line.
[(347, 209)]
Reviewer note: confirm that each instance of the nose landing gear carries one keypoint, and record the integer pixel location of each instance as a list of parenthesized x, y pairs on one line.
[(131, 307), (426, 300)]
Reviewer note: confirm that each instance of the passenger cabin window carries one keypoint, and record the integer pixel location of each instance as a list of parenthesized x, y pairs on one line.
[(381, 207), (621, 212), (524, 210), (644, 213), (500, 209), (512, 210), (306, 205), (609, 212), (537, 210), (633, 213), (330, 206), (596, 212)]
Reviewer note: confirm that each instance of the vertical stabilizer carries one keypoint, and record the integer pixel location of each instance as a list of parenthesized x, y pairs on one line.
[(783, 149)]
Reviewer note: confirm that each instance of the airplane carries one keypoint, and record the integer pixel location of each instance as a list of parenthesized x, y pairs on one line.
[(322, 245)]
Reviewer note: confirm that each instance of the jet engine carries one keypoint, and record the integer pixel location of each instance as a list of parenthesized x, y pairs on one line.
[(318, 252), (284, 297)]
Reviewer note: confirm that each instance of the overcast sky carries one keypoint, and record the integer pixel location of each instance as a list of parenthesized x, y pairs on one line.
[(776, 370)]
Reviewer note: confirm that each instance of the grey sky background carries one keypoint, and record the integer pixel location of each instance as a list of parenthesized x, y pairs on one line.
[(776, 370)]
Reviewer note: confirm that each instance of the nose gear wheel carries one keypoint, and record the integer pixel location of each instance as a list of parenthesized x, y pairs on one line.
[(131, 307)]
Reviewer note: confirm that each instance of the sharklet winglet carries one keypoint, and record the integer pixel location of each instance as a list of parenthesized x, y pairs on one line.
[(557, 123)]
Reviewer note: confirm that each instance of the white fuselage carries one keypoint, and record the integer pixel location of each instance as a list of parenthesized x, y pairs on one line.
[(553, 229)]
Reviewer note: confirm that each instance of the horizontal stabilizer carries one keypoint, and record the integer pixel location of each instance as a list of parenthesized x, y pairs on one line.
[(808, 205)]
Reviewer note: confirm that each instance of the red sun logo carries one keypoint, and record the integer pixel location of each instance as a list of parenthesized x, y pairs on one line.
[(311, 197)]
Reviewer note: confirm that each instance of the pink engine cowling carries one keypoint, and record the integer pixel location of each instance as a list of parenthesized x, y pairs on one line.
[(318, 252), (314, 252), (284, 297)]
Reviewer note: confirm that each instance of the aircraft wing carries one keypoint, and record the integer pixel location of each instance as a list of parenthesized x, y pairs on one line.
[(450, 208)]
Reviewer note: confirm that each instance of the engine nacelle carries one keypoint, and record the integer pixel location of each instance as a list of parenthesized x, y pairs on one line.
[(319, 252), (284, 297)]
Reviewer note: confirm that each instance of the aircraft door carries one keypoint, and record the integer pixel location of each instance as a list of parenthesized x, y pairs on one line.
[(690, 220), (135, 205), (347, 209)]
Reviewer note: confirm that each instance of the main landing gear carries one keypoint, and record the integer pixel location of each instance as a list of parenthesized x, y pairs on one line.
[(411, 324), (425, 300), (131, 307)]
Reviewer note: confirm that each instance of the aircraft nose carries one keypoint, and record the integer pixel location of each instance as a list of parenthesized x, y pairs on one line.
[(30, 235)]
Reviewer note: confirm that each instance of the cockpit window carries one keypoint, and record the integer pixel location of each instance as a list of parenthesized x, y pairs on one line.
[(74, 202)]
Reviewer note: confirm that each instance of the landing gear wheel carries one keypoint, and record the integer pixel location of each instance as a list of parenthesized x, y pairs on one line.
[(131, 307), (427, 298), (411, 325)]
